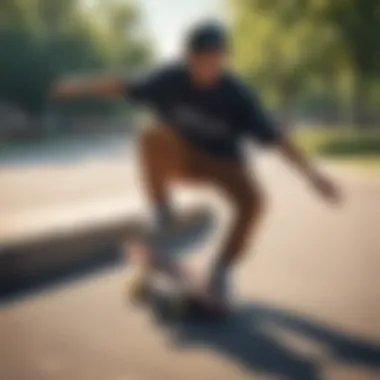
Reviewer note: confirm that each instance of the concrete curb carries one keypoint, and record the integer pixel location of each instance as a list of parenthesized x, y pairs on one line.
[(27, 261), (71, 244)]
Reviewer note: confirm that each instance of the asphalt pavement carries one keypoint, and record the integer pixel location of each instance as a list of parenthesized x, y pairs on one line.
[(307, 292)]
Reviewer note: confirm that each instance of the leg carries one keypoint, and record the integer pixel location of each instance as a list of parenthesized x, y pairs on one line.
[(158, 156), (247, 200), (230, 177), (164, 158)]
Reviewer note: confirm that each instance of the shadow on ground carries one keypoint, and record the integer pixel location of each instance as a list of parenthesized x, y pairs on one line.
[(256, 337), (23, 287), (252, 339)]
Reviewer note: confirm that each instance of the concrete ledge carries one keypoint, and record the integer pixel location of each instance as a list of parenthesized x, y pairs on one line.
[(25, 263), (30, 260), (49, 243)]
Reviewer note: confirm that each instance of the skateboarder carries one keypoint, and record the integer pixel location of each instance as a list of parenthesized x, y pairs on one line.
[(203, 111)]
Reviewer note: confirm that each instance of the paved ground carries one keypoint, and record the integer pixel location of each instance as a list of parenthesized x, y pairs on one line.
[(308, 294)]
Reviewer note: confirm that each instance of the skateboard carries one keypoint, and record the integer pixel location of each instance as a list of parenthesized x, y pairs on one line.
[(174, 301), (169, 303)]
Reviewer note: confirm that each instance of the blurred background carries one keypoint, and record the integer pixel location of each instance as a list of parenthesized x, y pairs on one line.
[(69, 185), (316, 63)]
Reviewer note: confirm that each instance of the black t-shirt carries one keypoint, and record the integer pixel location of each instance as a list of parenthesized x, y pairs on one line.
[(213, 119)]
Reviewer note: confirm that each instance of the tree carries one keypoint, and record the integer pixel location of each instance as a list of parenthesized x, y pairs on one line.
[(297, 46), (358, 25), (41, 39), (281, 48)]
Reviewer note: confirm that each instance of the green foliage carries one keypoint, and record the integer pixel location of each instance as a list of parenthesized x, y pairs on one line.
[(42, 39), (358, 26), (339, 142), (282, 51), (297, 48)]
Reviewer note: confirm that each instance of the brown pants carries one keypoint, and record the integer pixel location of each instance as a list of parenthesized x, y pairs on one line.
[(167, 158)]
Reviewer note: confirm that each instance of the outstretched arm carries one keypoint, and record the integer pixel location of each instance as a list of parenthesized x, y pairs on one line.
[(293, 154), (73, 86), (264, 130)]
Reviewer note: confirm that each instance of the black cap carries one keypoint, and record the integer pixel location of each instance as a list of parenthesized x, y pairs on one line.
[(207, 36)]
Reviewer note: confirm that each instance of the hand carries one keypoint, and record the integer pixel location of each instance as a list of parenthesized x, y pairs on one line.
[(326, 188)]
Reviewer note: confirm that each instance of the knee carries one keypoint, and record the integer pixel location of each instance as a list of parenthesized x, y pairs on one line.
[(148, 137), (156, 138), (152, 144)]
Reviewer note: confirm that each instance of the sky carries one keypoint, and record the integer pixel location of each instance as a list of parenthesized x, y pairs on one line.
[(168, 20)]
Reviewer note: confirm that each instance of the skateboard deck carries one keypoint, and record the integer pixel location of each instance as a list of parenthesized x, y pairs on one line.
[(170, 303), (169, 307)]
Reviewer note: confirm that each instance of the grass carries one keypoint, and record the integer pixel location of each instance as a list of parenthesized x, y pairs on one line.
[(354, 147)]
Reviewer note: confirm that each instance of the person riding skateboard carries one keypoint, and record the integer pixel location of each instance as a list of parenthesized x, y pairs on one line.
[(203, 113)]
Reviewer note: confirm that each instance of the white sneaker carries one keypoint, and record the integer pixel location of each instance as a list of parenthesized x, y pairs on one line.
[(184, 231)]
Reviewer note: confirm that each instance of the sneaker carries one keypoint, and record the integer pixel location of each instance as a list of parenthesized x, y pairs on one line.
[(184, 232)]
